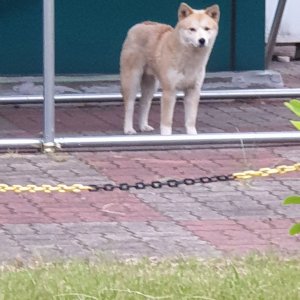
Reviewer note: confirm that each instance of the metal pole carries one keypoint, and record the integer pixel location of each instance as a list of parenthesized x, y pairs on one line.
[(116, 97), (158, 140), (176, 139), (14, 143), (49, 73), (274, 31)]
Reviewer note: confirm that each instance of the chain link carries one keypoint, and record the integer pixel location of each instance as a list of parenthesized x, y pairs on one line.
[(263, 172), (31, 188), (172, 183)]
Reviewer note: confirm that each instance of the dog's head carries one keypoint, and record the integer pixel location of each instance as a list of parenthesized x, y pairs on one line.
[(198, 28)]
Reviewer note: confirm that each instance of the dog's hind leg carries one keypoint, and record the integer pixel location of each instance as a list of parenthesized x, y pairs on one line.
[(130, 83), (148, 87)]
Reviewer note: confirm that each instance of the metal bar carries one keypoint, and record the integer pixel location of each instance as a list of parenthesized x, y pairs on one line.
[(116, 97), (274, 31), (154, 140), (49, 72), (14, 143), (176, 139)]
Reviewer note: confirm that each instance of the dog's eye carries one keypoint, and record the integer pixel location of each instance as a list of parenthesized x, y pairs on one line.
[(206, 28), (192, 29)]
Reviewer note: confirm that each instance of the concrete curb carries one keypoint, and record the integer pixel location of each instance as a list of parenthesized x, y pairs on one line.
[(111, 83)]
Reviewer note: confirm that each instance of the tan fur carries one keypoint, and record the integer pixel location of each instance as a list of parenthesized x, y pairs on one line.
[(174, 57)]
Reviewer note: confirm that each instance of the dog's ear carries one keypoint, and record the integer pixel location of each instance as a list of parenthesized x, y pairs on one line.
[(184, 11), (213, 12)]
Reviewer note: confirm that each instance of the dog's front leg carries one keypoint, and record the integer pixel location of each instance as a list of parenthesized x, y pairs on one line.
[(167, 110), (191, 101)]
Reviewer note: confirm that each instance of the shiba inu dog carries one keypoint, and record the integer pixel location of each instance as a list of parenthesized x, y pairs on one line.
[(174, 57)]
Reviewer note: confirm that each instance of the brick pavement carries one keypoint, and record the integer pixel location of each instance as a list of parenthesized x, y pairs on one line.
[(202, 220), (226, 116)]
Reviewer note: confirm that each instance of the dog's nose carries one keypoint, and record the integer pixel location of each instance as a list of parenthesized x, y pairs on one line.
[(201, 42)]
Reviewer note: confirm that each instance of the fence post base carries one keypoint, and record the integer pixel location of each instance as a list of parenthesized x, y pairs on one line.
[(49, 147)]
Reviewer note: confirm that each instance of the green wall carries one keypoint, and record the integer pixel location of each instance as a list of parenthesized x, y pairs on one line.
[(89, 34)]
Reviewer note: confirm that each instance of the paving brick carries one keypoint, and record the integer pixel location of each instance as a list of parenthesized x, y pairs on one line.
[(240, 242), (255, 225), (222, 187), (214, 238), (289, 246), (48, 229), (93, 227), (25, 207), (277, 236), (233, 250), (280, 223), (10, 254), (210, 223), (48, 238), (263, 185), (180, 216), (72, 251), (254, 212), (142, 218), (19, 229), (132, 245), (294, 184), (92, 240), (178, 198), (24, 219), (212, 227), (287, 211), (138, 228), (8, 241), (152, 199), (202, 189), (265, 197)]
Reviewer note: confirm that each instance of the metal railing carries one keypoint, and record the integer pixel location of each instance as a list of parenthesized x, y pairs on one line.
[(274, 31), (49, 141)]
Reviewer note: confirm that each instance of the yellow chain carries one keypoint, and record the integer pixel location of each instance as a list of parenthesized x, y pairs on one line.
[(31, 188), (263, 172)]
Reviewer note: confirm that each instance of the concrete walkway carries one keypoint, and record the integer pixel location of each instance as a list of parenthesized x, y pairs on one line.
[(223, 218)]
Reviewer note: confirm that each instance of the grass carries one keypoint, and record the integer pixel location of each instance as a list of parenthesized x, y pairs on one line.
[(255, 277)]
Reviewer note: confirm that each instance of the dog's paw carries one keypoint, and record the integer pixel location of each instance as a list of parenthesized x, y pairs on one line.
[(146, 128), (130, 131), (165, 130), (191, 131)]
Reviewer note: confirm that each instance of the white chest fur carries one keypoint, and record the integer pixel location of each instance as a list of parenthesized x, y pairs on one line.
[(187, 78)]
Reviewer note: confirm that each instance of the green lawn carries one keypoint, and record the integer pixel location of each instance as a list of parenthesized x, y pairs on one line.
[(251, 278)]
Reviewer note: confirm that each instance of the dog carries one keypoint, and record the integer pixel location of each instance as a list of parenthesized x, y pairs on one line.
[(176, 58)]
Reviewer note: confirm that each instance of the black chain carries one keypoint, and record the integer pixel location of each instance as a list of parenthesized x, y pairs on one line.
[(172, 183)]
